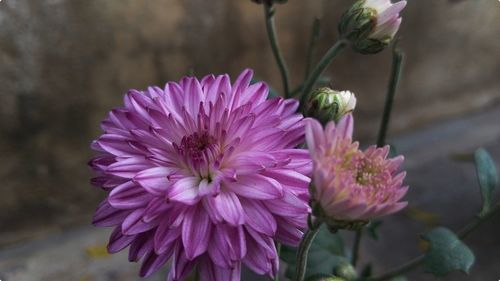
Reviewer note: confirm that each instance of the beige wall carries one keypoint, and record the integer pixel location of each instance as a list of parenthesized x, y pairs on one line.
[(65, 63)]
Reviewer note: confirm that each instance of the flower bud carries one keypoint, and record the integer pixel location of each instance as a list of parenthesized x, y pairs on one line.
[(327, 104), (370, 25), (346, 271)]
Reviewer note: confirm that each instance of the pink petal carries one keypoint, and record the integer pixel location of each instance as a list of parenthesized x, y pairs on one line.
[(118, 241), (128, 167), (155, 180), (256, 187), (229, 208), (134, 224), (106, 215), (185, 191), (196, 231), (128, 196), (314, 135), (258, 217)]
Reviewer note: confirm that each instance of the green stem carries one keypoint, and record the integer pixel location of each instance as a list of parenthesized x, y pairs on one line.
[(397, 61), (311, 50), (305, 245), (412, 264), (278, 252), (355, 248), (318, 70), (464, 232), (271, 33)]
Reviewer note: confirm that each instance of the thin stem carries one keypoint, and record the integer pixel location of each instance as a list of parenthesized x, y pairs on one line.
[(196, 275), (305, 245), (278, 252), (397, 61), (318, 70), (462, 234), (355, 248), (476, 223), (311, 50), (271, 33)]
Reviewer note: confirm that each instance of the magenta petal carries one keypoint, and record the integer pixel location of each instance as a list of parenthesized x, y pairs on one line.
[(212, 272), (218, 249), (229, 208), (118, 241), (154, 180), (128, 196), (257, 187), (196, 231), (290, 205), (141, 246), (128, 168), (181, 266), (152, 262), (165, 237), (185, 191), (255, 260), (289, 177), (134, 224), (258, 217), (106, 215), (235, 239)]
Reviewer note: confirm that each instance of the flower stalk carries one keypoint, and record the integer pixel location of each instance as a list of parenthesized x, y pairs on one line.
[(355, 248), (269, 11), (305, 245), (313, 42), (397, 63), (318, 70)]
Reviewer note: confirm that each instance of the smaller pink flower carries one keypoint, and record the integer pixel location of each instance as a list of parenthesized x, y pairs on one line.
[(351, 184)]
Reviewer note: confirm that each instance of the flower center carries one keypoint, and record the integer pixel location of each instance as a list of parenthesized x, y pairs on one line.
[(196, 143), (199, 152)]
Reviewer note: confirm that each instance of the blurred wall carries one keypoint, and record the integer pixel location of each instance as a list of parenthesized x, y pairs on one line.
[(64, 64)]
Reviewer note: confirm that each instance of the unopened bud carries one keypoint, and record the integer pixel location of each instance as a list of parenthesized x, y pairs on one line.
[(371, 25), (346, 271), (327, 104)]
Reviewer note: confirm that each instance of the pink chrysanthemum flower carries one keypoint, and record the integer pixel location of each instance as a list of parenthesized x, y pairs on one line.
[(204, 174), (350, 184)]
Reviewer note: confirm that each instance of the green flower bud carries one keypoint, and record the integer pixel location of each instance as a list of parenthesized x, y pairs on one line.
[(346, 271), (370, 25), (326, 104)]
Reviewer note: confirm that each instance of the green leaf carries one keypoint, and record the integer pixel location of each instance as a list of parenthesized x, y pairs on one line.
[(446, 253), (487, 177), (372, 228), (326, 253), (272, 93)]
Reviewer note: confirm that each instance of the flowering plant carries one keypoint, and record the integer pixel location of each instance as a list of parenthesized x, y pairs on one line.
[(207, 175)]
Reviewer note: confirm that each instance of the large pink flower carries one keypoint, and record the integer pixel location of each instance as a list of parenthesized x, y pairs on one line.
[(348, 183), (203, 173)]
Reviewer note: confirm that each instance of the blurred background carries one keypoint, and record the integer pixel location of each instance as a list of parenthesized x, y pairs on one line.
[(64, 64)]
